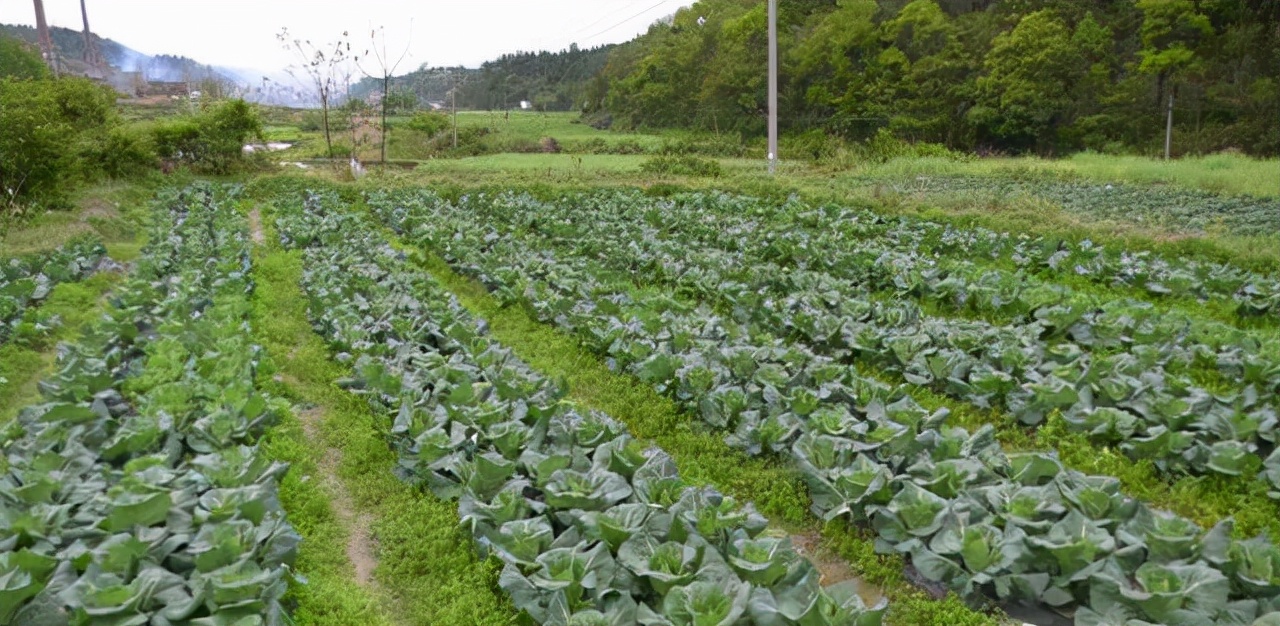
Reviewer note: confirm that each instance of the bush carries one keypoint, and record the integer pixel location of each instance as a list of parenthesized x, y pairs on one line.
[(428, 122), (211, 141), (125, 152), (682, 165), (472, 141), (53, 137), (728, 146), (884, 147), (313, 121), (598, 145), (19, 60)]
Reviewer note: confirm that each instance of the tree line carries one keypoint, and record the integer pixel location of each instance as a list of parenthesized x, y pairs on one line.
[(1016, 76), (548, 81)]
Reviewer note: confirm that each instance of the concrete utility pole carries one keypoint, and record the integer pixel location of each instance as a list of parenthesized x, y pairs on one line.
[(1168, 131), (46, 40), (773, 85)]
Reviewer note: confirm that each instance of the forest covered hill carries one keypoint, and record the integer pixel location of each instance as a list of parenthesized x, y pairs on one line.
[(1045, 76)]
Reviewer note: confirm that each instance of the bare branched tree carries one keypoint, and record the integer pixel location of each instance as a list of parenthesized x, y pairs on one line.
[(322, 68), (378, 51)]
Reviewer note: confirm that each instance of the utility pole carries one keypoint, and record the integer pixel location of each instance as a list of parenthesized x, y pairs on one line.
[(773, 85), (453, 104), (1168, 130)]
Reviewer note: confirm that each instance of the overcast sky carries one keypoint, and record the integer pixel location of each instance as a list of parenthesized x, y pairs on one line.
[(242, 33)]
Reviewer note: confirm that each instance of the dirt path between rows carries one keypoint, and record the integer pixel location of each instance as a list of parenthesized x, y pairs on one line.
[(255, 227), (362, 549)]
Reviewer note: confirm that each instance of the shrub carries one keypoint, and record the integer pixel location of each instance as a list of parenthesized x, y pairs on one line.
[(884, 146), (681, 165), (124, 152), (53, 136), (19, 60), (211, 141), (727, 146), (428, 122)]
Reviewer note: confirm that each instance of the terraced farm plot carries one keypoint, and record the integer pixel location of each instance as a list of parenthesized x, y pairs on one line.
[(974, 423), (760, 321), (133, 492), (1178, 210)]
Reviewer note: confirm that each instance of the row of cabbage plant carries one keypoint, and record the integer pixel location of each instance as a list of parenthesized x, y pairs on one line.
[(1011, 526), (1158, 276), (1166, 208), (134, 493), (27, 280), (593, 526), (1141, 397)]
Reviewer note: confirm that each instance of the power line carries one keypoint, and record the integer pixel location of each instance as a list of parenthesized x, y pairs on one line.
[(625, 21), (604, 17)]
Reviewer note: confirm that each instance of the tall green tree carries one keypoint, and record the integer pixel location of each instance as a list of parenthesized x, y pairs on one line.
[(833, 64), (1171, 31), (1025, 94), (926, 74)]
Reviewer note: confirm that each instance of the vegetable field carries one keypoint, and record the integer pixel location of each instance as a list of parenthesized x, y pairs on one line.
[(976, 422)]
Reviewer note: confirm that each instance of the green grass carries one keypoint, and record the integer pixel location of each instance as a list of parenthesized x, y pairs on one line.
[(281, 133), (111, 211), (702, 457), (427, 566), (565, 127), (24, 364)]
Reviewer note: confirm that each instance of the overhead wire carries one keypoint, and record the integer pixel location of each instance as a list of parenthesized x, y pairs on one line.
[(606, 16), (662, 2)]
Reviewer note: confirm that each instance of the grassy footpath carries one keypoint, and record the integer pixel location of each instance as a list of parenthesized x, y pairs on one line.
[(703, 458), (426, 566)]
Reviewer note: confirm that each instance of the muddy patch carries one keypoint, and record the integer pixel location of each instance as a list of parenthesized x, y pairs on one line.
[(255, 227), (362, 549), (98, 209), (832, 568)]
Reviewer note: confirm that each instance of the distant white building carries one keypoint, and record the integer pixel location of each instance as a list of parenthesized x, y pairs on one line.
[(525, 105)]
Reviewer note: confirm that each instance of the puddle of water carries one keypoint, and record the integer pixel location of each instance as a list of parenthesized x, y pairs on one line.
[(274, 146)]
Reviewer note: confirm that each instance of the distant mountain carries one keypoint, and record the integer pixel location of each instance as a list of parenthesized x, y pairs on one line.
[(124, 60), (547, 81)]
